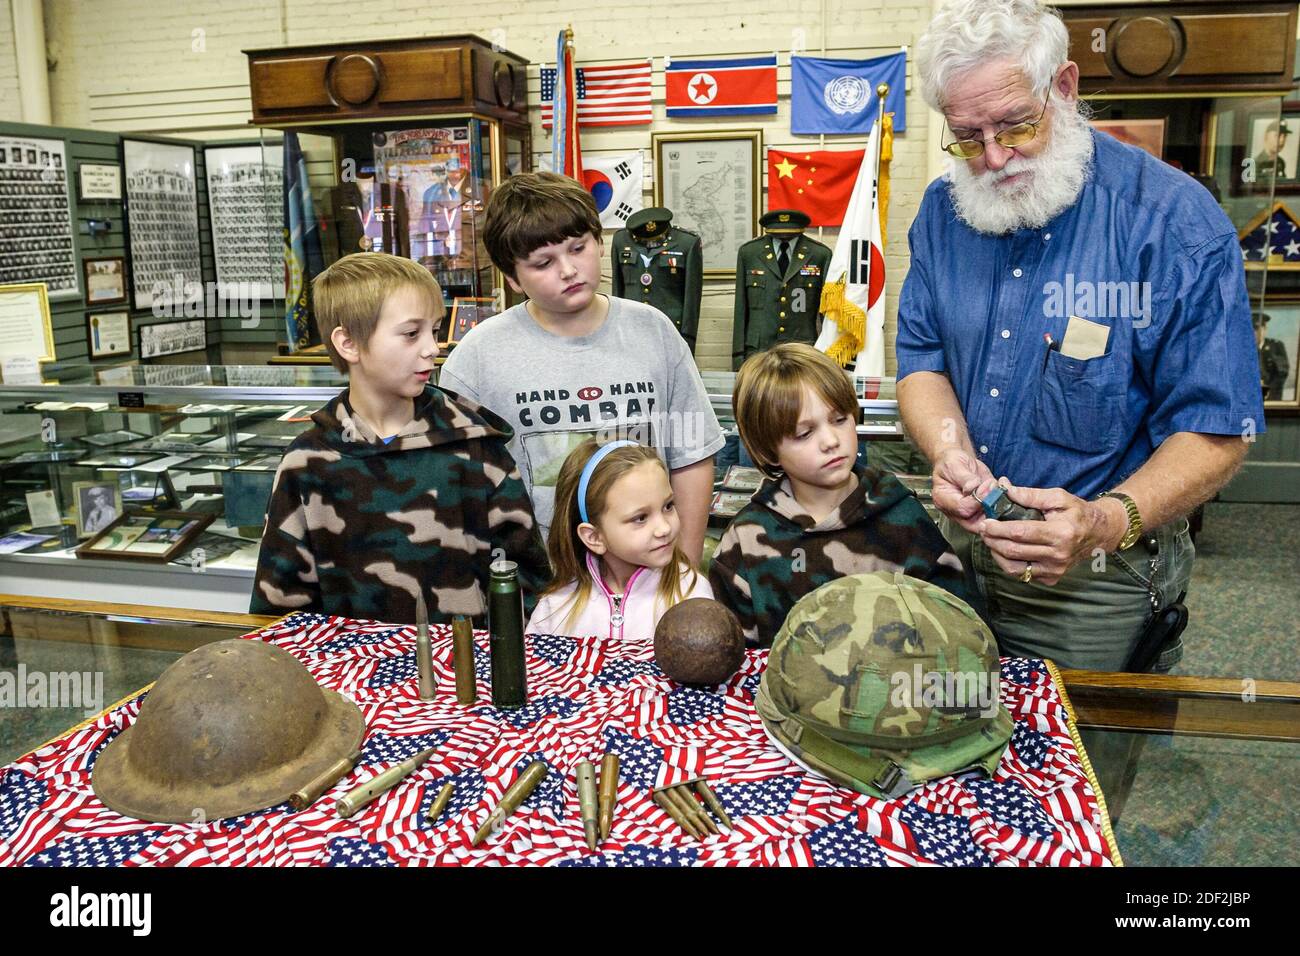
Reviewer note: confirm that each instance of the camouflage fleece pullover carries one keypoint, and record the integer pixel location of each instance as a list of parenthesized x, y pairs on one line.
[(773, 553), (356, 526)]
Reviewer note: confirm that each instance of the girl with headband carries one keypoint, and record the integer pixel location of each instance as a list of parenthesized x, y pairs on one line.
[(614, 546)]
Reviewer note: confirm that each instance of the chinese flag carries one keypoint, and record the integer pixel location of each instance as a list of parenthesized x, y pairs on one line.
[(818, 182)]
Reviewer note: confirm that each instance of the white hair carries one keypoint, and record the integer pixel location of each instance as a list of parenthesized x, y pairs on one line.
[(968, 33)]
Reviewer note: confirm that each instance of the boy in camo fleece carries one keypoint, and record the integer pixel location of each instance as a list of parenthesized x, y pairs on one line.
[(821, 514), (399, 488)]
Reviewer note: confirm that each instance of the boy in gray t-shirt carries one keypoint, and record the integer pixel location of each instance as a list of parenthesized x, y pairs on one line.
[(571, 363)]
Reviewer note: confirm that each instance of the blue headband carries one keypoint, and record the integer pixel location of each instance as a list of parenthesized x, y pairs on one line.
[(592, 462)]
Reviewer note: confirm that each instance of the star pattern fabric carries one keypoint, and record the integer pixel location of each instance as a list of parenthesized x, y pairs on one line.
[(586, 697)]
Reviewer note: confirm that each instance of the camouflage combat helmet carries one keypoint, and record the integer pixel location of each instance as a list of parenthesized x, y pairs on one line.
[(882, 682), (232, 727)]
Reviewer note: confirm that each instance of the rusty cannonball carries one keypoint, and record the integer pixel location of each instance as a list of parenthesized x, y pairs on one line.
[(699, 642)]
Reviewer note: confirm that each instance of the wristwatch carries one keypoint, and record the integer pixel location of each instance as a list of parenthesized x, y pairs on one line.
[(1134, 519)]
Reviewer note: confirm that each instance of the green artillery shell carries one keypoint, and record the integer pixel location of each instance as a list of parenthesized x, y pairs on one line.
[(308, 794), (506, 636), (354, 800), (423, 650), (608, 793), (670, 808), (714, 804), (524, 784), (462, 648), (440, 802), (586, 775), (687, 806)]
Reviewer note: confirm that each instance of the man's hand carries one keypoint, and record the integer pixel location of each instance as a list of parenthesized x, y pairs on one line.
[(956, 475), (1071, 531)]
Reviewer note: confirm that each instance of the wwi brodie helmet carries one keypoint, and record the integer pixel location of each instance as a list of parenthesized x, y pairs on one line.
[(882, 682)]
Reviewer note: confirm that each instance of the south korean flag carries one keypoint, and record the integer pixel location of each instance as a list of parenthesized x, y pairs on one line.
[(615, 182)]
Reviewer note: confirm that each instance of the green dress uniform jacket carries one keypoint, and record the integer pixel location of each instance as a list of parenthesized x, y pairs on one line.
[(673, 282), (772, 308)]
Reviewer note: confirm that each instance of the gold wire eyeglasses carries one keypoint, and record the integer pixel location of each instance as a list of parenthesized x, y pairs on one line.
[(1009, 138)]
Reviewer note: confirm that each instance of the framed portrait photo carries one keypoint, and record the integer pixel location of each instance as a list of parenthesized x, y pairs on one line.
[(108, 334), (97, 505), (1277, 337), (162, 219), (105, 280), (711, 182), (1146, 134)]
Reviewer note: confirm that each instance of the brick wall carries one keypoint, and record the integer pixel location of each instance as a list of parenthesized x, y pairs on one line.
[(10, 108)]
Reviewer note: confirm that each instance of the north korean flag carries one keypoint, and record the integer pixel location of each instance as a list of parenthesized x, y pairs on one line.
[(729, 87)]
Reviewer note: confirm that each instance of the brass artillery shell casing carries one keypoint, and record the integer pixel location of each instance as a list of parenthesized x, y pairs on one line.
[(608, 793), (691, 810), (660, 797), (377, 786), (423, 650), (440, 802), (713, 803), (309, 793), (586, 776), (462, 650), (517, 793)]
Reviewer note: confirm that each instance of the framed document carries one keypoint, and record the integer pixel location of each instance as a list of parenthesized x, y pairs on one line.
[(108, 333), (105, 280), (711, 182), (36, 243), (162, 220), (25, 330), (99, 181), (246, 201), (156, 537), (171, 338)]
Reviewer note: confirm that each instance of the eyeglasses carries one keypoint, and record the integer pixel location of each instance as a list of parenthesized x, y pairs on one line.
[(1009, 138)]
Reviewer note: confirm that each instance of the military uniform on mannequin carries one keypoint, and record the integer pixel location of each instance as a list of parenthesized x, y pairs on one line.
[(661, 265), (779, 280)]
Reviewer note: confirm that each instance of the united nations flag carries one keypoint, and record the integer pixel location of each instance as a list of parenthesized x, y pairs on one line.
[(839, 96)]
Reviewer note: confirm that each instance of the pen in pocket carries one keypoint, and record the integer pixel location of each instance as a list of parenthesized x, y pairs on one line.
[(1052, 346)]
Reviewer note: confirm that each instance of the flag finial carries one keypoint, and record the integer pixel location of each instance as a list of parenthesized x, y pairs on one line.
[(882, 90)]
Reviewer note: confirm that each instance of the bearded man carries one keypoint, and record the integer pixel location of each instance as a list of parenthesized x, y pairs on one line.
[(1074, 322)]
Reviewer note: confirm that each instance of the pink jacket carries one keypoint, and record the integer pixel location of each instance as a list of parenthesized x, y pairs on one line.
[(633, 616)]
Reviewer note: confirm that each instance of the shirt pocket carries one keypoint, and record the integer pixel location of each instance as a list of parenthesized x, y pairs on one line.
[(756, 292), (1080, 404)]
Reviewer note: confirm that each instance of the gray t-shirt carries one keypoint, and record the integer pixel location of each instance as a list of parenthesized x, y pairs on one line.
[(633, 377)]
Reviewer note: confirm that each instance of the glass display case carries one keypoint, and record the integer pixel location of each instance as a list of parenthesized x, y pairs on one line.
[(146, 481)]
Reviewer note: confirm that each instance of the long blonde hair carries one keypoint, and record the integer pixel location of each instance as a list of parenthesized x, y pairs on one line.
[(568, 553)]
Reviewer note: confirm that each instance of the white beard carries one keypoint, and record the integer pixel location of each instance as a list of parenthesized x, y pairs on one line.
[(1052, 184)]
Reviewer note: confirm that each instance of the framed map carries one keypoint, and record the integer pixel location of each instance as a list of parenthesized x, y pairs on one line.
[(711, 182)]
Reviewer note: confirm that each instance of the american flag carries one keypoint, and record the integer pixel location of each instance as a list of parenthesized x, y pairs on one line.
[(586, 697), (613, 95), (1272, 236)]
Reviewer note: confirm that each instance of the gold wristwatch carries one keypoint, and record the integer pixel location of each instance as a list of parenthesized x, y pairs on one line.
[(1134, 519)]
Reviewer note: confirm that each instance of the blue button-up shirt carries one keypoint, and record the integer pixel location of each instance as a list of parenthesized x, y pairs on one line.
[(1147, 253)]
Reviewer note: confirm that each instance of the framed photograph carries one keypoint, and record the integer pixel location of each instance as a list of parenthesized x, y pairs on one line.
[(1277, 336), (1147, 134), (97, 504), (108, 333), (162, 220), (467, 312), (712, 182), (246, 203), (157, 537), (96, 181), (105, 280), (37, 234), (1273, 142), (172, 338)]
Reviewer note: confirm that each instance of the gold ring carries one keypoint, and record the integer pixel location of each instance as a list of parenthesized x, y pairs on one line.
[(1027, 575)]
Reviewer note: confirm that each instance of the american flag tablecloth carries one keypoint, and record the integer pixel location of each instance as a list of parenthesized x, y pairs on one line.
[(584, 697)]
